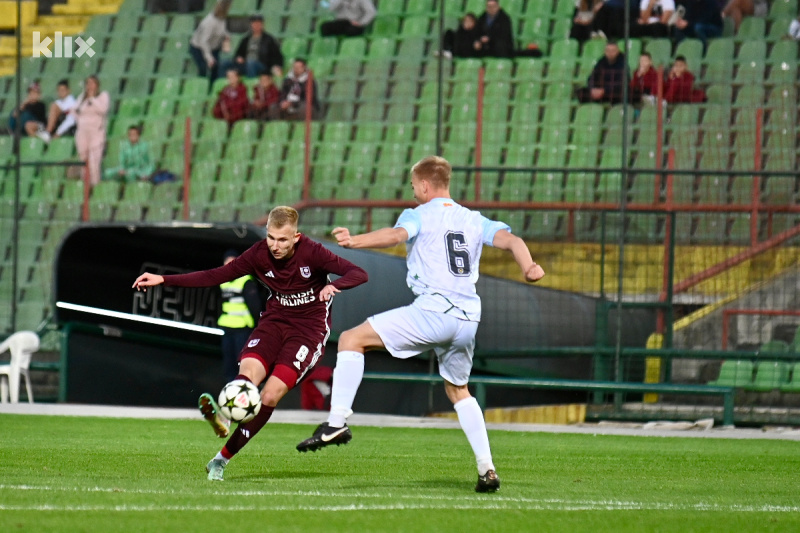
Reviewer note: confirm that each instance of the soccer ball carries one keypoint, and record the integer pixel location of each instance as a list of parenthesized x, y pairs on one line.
[(239, 401)]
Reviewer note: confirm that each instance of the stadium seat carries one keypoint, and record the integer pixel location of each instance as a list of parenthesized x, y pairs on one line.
[(793, 383), (770, 375), (385, 25), (416, 26), (529, 69), (735, 374), (661, 51), (752, 28)]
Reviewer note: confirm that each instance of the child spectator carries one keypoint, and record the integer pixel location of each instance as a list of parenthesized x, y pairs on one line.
[(465, 41), (679, 86), (644, 85), (60, 121), (265, 96), (135, 162), (293, 94), (232, 103), (30, 114)]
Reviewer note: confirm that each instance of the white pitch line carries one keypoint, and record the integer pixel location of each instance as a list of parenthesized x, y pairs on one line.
[(481, 502)]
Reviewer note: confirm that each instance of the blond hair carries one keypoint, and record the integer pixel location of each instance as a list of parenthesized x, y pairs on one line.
[(281, 216), (435, 170)]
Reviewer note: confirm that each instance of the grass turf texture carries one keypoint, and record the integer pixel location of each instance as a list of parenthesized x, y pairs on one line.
[(94, 474)]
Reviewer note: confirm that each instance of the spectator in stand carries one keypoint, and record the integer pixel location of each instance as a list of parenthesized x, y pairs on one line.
[(495, 28), (257, 52), (59, 121), (90, 113), (465, 41), (292, 105), (207, 40), (654, 17), (608, 78), (232, 102), (266, 96), (582, 18), (701, 20), (135, 162), (609, 18), (644, 85), (350, 18), (738, 9), (679, 86), (31, 114)]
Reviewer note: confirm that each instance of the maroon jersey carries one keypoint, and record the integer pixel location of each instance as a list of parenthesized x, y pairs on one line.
[(295, 282)]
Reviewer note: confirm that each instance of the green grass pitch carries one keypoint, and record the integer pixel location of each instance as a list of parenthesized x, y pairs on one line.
[(95, 474)]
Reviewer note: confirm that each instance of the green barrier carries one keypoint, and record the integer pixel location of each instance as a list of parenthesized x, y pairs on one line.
[(574, 384)]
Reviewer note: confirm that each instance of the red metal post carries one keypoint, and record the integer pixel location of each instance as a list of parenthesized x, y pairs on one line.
[(307, 150), (667, 239), (726, 314), (479, 132), (187, 166), (86, 188), (659, 131), (756, 179)]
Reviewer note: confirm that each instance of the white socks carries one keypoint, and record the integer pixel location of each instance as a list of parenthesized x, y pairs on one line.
[(470, 417), (346, 379), (222, 458)]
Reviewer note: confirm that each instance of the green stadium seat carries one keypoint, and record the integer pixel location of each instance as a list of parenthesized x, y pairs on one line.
[(354, 47), (368, 111), (559, 92), (561, 28), (783, 8), (793, 383), (719, 60), (770, 375), (535, 28), (378, 70), (527, 92), (320, 47), (692, 50), (498, 69), (751, 61), (245, 131), (752, 28), (588, 124), (661, 52), (31, 149), (529, 69), (385, 25), (564, 49), (416, 26)]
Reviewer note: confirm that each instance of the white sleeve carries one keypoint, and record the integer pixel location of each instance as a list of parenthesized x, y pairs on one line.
[(410, 221), (490, 227)]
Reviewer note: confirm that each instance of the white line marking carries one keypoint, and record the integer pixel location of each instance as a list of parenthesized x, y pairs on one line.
[(430, 502), (138, 318)]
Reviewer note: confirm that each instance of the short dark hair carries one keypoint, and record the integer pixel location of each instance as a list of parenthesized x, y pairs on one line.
[(646, 54), (301, 60), (136, 127), (64, 82), (680, 58)]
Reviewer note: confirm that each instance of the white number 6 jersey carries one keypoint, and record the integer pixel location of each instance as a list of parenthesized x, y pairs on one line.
[(444, 247)]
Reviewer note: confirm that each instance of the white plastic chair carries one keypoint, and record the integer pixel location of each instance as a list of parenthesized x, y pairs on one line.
[(21, 345)]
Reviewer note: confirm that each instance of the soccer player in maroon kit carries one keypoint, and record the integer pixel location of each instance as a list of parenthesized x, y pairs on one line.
[(291, 334)]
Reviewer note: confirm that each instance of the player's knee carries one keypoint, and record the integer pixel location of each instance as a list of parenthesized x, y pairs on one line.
[(349, 340)]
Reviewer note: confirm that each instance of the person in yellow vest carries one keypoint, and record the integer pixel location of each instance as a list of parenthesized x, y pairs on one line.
[(241, 307)]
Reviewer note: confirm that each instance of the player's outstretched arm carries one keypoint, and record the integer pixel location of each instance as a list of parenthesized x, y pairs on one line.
[(506, 241), (147, 280), (382, 238)]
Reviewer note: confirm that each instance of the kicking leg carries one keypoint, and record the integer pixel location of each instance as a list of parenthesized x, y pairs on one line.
[(471, 419), (276, 388)]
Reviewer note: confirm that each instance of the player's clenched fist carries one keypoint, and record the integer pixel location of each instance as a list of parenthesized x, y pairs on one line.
[(147, 280), (534, 273), (342, 237)]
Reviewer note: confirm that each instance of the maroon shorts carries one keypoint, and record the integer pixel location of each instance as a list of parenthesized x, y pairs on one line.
[(297, 345)]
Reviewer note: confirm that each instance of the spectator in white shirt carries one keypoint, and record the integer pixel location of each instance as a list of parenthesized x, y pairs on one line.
[(59, 120), (654, 18)]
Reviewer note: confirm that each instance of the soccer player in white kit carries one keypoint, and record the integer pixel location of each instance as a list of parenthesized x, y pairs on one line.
[(444, 242)]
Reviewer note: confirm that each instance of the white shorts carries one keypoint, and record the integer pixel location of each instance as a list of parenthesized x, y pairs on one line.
[(409, 331)]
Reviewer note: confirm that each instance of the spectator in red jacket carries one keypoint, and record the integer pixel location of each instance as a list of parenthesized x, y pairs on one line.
[(265, 96), (232, 102), (645, 80), (679, 86)]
